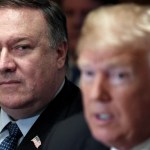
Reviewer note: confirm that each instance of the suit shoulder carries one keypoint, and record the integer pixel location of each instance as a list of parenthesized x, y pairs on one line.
[(65, 134), (72, 134), (76, 126)]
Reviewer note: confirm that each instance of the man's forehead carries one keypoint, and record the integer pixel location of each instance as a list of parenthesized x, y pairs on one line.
[(20, 11), (24, 22), (21, 16), (109, 58), (95, 40)]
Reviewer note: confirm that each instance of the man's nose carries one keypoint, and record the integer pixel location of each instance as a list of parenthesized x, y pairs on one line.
[(6, 61), (100, 89)]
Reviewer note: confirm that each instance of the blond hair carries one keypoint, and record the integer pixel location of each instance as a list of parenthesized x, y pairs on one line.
[(122, 25)]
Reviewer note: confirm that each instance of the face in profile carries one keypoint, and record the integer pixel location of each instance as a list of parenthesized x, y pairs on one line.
[(115, 85), (76, 10), (29, 67)]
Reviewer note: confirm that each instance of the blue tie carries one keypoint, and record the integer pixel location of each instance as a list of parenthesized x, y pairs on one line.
[(11, 141)]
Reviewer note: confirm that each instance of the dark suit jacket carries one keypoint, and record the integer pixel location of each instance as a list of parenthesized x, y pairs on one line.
[(72, 134), (66, 103)]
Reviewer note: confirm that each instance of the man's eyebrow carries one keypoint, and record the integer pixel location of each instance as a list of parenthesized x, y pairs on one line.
[(85, 64), (19, 39)]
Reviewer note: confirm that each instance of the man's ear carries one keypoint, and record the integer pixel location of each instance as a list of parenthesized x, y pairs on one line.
[(62, 50)]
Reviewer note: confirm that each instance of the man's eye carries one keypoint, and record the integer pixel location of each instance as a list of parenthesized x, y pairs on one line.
[(22, 47), (120, 76), (87, 75)]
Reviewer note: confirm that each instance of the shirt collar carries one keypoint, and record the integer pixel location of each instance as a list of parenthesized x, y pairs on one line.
[(23, 124), (6, 119)]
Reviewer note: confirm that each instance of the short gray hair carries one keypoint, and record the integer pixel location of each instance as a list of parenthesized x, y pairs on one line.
[(54, 17)]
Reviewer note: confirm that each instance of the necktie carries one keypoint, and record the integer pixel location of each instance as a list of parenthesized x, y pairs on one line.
[(11, 141)]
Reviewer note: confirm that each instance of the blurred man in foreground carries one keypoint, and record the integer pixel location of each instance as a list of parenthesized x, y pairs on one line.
[(114, 59)]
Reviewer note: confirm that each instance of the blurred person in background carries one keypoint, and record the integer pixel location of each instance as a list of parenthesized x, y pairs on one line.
[(76, 11)]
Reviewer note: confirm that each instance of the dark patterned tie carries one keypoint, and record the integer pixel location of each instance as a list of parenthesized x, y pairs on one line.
[(11, 141)]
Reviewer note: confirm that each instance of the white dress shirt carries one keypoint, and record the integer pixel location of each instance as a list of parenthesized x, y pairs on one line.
[(23, 124)]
